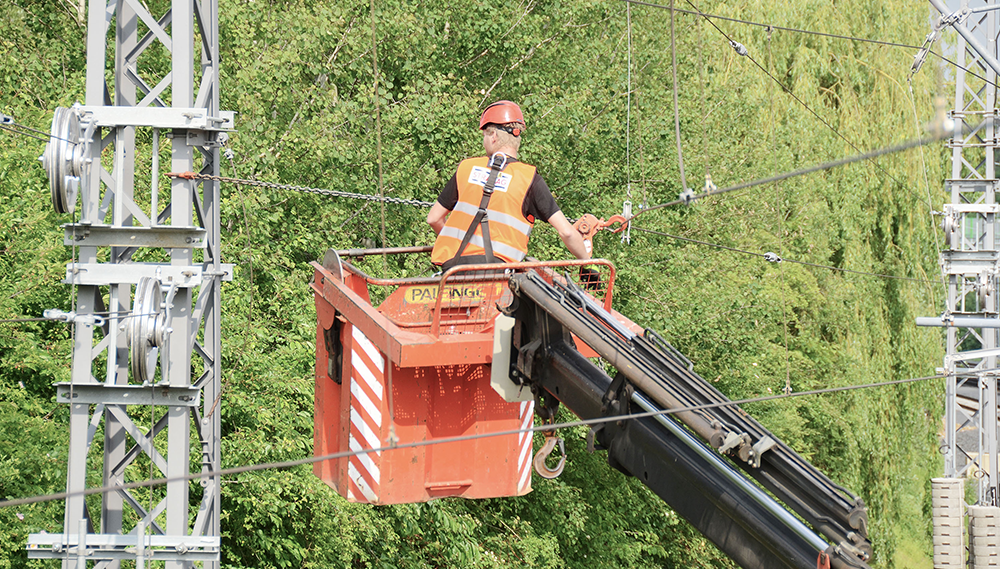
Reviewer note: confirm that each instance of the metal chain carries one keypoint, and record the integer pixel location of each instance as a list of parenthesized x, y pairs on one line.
[(305, 189)]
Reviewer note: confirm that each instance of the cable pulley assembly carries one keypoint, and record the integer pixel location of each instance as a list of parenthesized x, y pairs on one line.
[(147, 329), (984, 288), (949, 223), (65, 157), (740, 48)]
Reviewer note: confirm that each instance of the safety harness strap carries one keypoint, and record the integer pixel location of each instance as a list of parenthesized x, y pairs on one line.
[(497, 162)]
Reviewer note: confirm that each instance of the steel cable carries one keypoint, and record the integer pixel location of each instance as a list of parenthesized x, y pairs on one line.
[(783, 260), (547, 427), (801, 172)]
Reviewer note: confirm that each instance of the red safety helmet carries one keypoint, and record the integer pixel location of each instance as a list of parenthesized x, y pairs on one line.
[(502, 113)]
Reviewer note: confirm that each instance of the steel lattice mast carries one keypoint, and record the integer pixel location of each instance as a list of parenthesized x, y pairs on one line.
[(173, 324), (969, 264)]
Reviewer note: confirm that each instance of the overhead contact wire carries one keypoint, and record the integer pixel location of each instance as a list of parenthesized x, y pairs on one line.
[(7, 123), (812, 33), (782, 260), (802, 171), (800, 101), (745, 53), (449, 440), (119, 315), (772, 26), (15, 131)]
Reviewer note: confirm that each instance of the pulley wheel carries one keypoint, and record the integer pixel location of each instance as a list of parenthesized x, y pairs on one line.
[(983, 289), (63, 159), (948, 225), (146, 329)]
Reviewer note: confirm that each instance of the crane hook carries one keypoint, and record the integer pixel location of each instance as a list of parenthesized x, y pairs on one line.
[(551, 440)]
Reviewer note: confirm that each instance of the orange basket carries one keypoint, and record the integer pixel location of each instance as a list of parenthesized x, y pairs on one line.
[(417, 368)]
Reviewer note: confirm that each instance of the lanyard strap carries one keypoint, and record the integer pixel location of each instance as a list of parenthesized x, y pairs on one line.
[(481, 218)]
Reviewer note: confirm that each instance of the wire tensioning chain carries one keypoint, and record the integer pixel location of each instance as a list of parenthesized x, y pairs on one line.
[(305, 189)]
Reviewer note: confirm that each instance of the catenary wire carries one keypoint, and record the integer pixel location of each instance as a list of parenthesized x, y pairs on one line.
[(811, 32), (736, 45), (424, 443), (802, 171), (771, 26), (784, 88), (927, 183), (782, 260), (966, 69)]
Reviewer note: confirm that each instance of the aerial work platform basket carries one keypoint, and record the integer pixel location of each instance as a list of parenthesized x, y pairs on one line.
[(416, 368)]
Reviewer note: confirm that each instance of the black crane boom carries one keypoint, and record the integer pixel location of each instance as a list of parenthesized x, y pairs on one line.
[(682, 456)]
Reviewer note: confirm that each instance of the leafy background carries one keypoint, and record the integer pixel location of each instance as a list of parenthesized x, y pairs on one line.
[(300, 75)]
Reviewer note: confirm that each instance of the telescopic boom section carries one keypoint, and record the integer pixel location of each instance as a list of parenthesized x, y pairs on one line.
[(682, 456)]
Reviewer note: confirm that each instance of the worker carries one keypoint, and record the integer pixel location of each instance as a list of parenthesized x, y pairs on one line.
[(496, 196)]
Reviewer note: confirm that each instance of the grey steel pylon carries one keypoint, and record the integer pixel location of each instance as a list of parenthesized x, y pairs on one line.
[(132, 368), (970, 259), (970, 263)]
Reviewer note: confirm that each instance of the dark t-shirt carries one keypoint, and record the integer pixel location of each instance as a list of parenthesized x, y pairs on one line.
[(538, 202)]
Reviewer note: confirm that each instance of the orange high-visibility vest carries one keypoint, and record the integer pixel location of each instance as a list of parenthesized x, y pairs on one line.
[(509, 229)]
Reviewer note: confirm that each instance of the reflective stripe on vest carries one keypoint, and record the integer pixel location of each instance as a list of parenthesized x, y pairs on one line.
[(509, 229), (476, 244), (497, 217)]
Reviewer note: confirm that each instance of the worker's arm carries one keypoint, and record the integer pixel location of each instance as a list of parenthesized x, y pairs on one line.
[(436, 217), (570, 236)]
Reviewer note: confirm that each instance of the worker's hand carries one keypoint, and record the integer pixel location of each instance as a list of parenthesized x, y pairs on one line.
[(571, 236), (588, 225), (590, 278)]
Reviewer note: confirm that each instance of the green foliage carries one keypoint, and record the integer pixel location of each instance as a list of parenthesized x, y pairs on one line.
[(299, 73)]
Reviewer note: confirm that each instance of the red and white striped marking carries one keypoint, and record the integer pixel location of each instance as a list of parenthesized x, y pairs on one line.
[(524, 439), (367, 389)]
